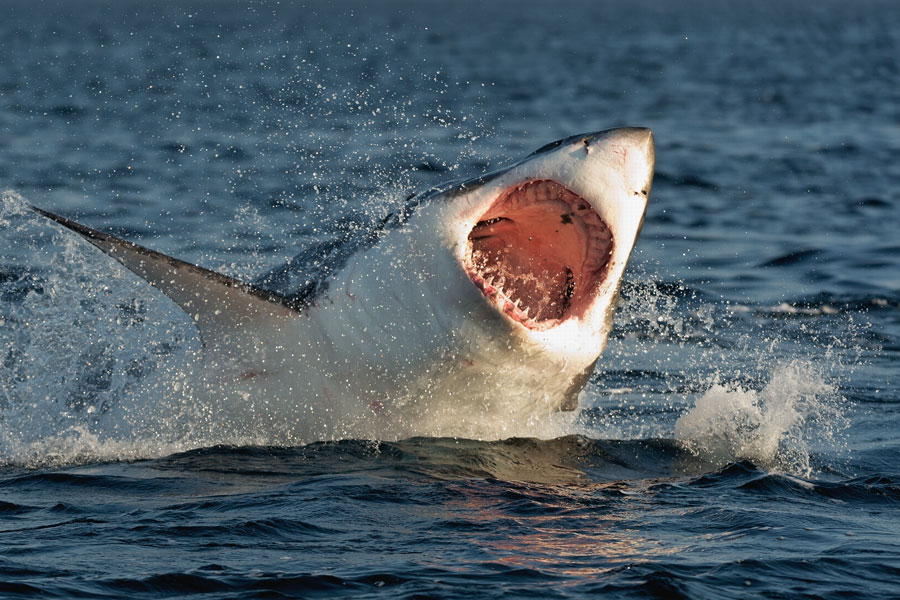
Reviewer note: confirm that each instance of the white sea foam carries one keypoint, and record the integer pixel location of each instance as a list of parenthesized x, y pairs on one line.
[(774, 426)]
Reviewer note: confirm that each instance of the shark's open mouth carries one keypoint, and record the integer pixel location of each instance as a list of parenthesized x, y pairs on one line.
[(539, 253)]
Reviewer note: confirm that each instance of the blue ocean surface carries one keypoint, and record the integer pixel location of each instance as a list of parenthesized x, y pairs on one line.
[(739, 438)]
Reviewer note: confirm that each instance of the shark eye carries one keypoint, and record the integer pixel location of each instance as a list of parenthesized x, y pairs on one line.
[(539, 253)]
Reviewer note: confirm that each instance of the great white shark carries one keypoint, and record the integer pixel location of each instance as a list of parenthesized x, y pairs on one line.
[(480, 308)]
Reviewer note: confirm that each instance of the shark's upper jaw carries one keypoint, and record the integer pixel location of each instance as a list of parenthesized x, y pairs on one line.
[(539, 253)]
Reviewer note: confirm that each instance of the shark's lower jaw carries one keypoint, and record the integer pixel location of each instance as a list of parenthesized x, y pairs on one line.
[(539, 253)]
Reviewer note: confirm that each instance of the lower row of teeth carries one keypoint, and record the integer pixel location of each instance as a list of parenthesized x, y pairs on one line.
[(506, 302)]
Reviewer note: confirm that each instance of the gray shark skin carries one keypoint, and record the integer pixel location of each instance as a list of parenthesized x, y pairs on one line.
[(479, 310)]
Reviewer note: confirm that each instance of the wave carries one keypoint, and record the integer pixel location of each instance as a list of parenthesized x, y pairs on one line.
[(560, 467)]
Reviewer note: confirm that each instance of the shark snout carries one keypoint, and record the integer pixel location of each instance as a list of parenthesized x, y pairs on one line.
[(636, 136), (639, 139), (635, 151)]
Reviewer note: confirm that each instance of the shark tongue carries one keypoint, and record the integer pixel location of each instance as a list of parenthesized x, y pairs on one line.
[(539, 252)]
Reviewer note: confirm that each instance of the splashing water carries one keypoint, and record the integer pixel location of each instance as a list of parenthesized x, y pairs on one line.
[(728, 385), (773, 427), (84, 346)]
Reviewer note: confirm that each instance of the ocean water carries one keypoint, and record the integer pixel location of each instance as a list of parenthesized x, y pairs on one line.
[(739, 437)]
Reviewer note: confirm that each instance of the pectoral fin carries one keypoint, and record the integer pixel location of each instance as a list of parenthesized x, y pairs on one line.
[(222, 307)]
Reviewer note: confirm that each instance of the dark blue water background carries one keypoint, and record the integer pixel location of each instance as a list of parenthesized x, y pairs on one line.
[(739, 437)]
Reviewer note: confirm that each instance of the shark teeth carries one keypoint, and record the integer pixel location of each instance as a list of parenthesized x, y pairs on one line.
[(539, 253)]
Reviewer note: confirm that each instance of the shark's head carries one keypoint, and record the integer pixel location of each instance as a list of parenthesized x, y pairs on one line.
[(511, 278), (546, 241)]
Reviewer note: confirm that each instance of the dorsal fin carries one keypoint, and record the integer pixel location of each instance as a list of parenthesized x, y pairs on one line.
[(221, 306)]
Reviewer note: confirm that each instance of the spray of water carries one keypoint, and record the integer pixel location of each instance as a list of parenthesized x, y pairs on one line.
[(775, 426), (728, 382)]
